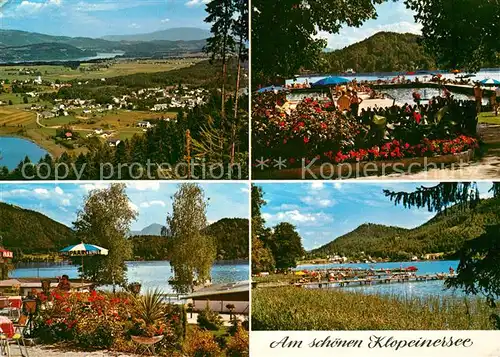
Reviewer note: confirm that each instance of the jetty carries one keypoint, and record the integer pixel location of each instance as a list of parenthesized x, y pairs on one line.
[(358, 281)]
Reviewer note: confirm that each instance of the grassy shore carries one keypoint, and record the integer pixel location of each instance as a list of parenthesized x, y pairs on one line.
[(291, 308)]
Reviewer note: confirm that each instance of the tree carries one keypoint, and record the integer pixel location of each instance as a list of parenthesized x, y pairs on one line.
[(105, 221), (240, 30), (262, 257), (286, 246), (284, 32), (460, 33), (25, 100), (221, 44), (479, 267), (191, 252)]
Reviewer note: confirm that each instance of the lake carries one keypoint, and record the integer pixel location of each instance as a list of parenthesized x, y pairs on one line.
[(14, 150), (149, 274), (412, 289)]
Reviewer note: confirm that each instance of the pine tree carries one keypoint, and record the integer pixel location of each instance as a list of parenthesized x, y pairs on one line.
[(221, 45)]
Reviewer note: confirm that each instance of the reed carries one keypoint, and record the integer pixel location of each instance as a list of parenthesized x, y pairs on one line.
[(292, 308)]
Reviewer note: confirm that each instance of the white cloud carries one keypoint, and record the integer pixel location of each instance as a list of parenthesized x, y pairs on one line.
[(134, 26), (93, 186), (193, 3), (321, 202), (66, 202), (164, 21), (59, 190), (295, 216), (27, 7), (133, 206), (41, 192), (245, 189), (152, 203), (317, 185), (145, 186)]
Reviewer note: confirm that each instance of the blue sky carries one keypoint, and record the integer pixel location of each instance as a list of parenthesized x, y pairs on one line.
[(324, 211), (392, 16), (96, 18), (152, 200)]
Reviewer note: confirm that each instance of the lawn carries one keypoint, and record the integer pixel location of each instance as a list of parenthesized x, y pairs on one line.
[(489, 118)]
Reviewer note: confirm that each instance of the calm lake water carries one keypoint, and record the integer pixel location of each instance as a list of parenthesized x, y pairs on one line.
[(149, 274), (418, 289), (14, 150)]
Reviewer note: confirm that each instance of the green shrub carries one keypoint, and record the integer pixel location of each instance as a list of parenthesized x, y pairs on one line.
[(209, 320)]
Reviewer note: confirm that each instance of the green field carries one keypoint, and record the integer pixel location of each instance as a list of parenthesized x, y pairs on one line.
[(116, 68), (16, 120), (489, 118), (293, 308)]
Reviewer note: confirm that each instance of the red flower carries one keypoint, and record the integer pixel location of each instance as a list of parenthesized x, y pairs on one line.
[(324, 126), (306, 139), (49, 322), (282, 124), (291, 160)]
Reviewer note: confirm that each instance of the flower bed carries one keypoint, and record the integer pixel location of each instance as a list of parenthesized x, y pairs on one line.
[(317, 131), (96, 320)]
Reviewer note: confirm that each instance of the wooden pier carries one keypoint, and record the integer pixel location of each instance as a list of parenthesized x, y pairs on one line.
[(326, 284)]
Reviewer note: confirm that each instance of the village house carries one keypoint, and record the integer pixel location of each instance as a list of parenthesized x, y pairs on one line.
[(46, 115), (144, 124), (114, 142)]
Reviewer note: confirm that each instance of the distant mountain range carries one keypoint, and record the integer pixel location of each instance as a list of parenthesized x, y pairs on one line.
[(173, 34), (29, 46), (151, 230), (444, 233)]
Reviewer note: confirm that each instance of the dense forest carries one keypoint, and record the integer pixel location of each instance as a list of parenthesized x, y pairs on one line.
[(382, 52), (444, 233), (28, 231), (230, 234)]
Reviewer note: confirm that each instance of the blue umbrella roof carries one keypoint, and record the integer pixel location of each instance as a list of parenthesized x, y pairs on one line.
[(84, 248), (270, 89), (331, 80), (489, 81)]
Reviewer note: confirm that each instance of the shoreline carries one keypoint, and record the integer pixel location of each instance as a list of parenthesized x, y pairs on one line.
[(18, 136)]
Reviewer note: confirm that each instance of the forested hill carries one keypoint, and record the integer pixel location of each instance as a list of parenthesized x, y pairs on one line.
[(382, 52), (231, 236), (446, 232), (31, 232)]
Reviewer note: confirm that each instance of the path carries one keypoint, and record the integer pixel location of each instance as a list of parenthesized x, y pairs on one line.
[(47, 351), (487, 167)]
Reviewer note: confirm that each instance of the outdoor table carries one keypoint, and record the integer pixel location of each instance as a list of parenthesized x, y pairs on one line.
[(146, 344), (7, 326)]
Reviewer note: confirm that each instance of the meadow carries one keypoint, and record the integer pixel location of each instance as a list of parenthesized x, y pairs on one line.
[(116, 68), (292, 308)]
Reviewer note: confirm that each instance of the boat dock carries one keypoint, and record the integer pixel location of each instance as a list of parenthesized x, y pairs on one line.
[(328, 284)]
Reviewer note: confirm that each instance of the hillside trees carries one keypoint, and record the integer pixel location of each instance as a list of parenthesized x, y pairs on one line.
[(479, 269)]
